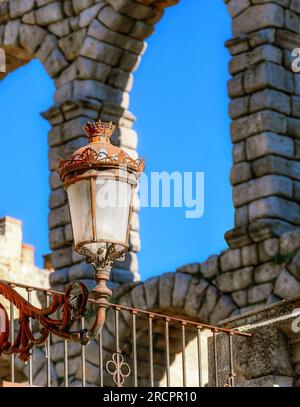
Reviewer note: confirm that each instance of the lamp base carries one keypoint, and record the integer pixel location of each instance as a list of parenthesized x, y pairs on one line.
[(102, 262)]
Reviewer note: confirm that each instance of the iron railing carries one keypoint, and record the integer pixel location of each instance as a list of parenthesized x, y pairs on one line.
[(136, 348)]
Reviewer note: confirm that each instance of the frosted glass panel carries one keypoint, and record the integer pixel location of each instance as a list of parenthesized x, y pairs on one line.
[(112, 200), (80, 208)]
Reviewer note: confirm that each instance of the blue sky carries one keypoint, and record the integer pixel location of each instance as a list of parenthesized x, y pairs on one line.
[(180, 101)]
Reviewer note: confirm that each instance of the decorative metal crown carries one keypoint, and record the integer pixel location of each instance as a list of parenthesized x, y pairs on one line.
[(99, 128), (98, 153)]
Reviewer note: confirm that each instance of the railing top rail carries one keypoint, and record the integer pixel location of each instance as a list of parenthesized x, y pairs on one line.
[(150, 314), (199, 325)]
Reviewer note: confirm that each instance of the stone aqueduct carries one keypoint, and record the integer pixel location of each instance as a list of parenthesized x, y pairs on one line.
[(91, 48)]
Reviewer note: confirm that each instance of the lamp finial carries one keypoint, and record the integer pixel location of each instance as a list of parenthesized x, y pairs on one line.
[(94, 130)]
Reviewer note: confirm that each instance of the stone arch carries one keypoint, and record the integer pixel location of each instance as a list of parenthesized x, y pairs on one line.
[(91, 48), (181, 294), (91, 61)]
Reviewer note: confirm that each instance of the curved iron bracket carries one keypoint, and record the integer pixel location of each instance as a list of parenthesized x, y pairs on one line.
[(72, 308)]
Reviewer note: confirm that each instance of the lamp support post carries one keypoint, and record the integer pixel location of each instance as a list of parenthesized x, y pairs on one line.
[(101, 293)]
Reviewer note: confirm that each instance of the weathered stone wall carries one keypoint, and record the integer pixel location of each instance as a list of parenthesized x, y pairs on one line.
[(265, 116), (17, 258), (91, 48), (270, 358), (257, 274), (17, 265)]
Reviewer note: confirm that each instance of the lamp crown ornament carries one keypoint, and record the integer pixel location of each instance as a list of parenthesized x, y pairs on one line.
[(99, 128), (99, 154)]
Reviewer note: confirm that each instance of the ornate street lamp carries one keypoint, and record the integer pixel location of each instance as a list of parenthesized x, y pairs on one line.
[(100, 180)]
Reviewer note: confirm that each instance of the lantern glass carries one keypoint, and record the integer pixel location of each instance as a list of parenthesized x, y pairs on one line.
[(100, 207), (113, 201), (79, 198)]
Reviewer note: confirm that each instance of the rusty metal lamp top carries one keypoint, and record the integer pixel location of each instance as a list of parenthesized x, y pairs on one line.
[(99, 153)]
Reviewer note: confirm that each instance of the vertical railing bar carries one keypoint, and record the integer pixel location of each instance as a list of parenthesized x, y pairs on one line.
[(118, 350), (30, 366), (66, 372), (199, 332), (215, 358), (232, 374), (101, 378), (167, 340), (48, 347), (12, 339), (151, 371), (134, 353), (83, 358), (183, 324), (117, 329)]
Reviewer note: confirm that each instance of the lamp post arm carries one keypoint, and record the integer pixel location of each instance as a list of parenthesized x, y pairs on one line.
[(100, 293), (102, 262)]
